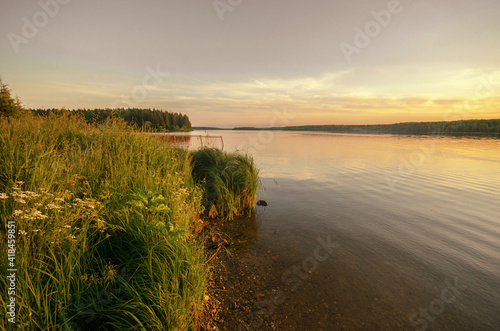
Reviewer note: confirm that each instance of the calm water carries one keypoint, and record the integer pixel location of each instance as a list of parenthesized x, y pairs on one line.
[(413, 225)]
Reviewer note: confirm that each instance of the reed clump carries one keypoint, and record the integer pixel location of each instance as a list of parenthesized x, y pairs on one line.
[(230, 181)]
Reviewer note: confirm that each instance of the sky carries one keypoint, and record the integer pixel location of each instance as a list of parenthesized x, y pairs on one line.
[(230, 63)]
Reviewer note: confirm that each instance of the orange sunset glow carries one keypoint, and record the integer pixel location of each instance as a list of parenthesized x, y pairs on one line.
[(365, 62)]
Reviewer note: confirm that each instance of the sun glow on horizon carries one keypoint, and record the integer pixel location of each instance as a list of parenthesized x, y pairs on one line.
[(328, 98), (190, 61)]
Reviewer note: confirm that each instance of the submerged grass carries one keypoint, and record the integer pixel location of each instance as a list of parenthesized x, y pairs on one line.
[(230, 181), (101, 221)]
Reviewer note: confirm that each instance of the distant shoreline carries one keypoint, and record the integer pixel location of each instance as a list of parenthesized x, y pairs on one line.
[(461, 128)]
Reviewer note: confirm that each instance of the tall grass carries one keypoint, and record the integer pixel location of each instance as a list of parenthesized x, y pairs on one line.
[(102, 227), (230, 181)]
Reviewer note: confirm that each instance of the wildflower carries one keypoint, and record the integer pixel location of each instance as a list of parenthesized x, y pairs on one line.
[(20, 200), (59, 199), (53, 206), (38, 214), (18, 212), (19, 182), (22, 233), (38, 204), (3, 196), (67, 226)]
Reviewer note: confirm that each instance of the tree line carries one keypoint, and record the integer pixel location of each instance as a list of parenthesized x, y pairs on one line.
[(462, 127), (154, 120)]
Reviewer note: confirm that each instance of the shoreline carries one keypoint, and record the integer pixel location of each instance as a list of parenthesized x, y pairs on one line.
[(247, 292), (103, 220), (471, 127)]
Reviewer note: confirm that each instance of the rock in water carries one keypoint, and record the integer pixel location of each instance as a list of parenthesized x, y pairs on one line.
[(261, 203)]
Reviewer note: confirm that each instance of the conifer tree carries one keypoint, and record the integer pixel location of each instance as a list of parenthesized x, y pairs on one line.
[(8, 105)]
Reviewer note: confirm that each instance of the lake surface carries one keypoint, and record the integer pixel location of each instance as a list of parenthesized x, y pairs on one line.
[(375, 231)]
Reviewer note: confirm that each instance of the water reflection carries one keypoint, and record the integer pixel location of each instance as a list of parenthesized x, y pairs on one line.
[(409, 213)]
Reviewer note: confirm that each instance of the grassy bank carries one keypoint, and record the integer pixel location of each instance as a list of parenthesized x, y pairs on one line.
[(102, 223)]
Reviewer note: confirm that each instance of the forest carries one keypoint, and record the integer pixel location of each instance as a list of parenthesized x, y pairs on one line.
[(153, 120), (463, 127)]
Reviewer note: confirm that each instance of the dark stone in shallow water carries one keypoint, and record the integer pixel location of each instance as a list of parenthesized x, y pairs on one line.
[(261, 203)]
